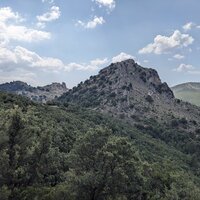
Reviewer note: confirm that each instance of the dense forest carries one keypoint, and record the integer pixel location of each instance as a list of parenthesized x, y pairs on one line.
[(64, 152)]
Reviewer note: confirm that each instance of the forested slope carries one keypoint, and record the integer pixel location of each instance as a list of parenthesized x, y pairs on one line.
[(66, 152)]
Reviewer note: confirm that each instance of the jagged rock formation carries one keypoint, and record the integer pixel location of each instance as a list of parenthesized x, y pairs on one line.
[(130, 91), (38, 94), (189, 92)]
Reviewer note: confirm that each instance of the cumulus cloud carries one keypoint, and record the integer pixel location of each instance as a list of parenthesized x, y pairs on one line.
[(184, 68), (179, 56), (99, 62), (110, 4), (188, 26), (6, 14), (52, 15), (121, 57), (48, 1), (32, 59), (19, 63), (11, 30), (164, 44), (21, 33), (92, 66), (80, 66), (20, 57), (92, 24)]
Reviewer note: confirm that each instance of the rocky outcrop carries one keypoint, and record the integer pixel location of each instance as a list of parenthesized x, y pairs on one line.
[(37, 94)]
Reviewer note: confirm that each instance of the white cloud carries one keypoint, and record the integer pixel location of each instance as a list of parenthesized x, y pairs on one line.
[(188, 26), (187, 69), (7, 56), (20, 57), (163, 44), (6, 14), (81, 67), (93, 23), (99, 62), (179, 56), (21, 33), (121, 57), (48, 1), (11, 30), (52, 15), (16, 61), (32, 59), (92, 66), (184, 68), (107, 3)]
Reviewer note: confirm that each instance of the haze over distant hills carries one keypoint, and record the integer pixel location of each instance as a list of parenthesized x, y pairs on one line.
[(189, 92)]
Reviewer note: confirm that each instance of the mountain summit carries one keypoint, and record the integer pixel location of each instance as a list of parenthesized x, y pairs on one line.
[(125, 89)]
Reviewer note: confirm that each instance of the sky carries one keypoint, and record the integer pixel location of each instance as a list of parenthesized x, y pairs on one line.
[(44, 41)]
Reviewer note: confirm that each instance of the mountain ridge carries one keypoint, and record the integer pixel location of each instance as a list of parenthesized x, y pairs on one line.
[(40, 94), (125, 116), (127, 90)]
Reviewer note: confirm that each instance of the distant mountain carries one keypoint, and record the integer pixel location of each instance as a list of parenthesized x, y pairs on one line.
[(129, 91), (38, 94), (189, 92)]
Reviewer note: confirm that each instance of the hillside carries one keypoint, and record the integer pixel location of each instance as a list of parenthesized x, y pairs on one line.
[(46, 154), (129, 91), (37, 94), (119, 135), (189, 92)]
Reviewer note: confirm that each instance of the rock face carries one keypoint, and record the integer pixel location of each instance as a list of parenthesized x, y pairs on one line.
[(189, 92), (38, 94), (128, 90)]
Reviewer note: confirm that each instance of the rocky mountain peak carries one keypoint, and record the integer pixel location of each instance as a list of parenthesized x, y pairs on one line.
[(123, 88), (128, 72), (54, 86)]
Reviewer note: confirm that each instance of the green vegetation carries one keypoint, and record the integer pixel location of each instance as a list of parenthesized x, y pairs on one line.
[(65, 152), (189, 92), (189, 96)]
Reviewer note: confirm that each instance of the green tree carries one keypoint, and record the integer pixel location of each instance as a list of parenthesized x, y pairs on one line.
[(104, 166), (11, 171)]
